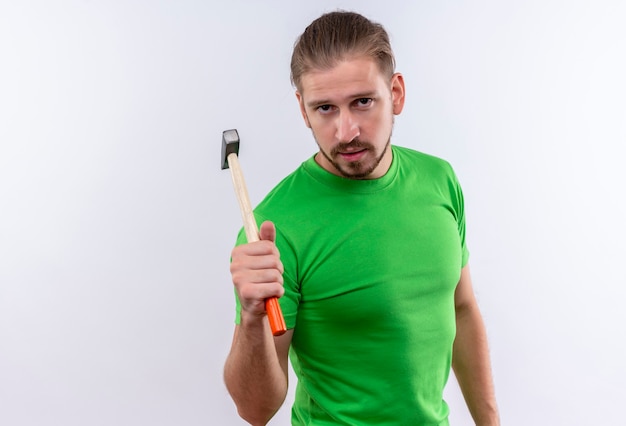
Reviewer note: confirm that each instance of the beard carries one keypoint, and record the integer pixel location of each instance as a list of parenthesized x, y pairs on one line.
[(361, 169)]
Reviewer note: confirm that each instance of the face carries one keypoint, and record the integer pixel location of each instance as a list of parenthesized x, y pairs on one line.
[(350, 109)]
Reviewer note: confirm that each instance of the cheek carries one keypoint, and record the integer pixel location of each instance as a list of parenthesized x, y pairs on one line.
[(322, 128), (378, 125), (322, 134)]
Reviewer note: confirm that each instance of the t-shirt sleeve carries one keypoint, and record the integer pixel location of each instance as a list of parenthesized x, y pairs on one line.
[(459, 206)]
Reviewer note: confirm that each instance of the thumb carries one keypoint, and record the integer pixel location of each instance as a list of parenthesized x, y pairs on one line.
[(268, 231)]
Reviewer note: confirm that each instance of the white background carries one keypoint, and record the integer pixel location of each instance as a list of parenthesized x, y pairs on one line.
[(116, 221)]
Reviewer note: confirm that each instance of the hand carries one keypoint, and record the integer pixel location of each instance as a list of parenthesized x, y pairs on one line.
[(257, 271)]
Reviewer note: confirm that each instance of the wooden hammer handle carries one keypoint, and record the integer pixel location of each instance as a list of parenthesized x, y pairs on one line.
[(272, 307)]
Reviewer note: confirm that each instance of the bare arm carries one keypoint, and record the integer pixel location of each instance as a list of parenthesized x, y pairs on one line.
[(255, 372), (470, 359)]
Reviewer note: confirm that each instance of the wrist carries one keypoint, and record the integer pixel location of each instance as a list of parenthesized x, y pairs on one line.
[(253, 321)]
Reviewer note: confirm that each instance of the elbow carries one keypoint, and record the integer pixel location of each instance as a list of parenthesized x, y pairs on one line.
[(254, 421), (257, 408), (259, 417)]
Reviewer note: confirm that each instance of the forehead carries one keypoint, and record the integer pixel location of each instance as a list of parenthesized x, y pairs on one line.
[(348, 78)]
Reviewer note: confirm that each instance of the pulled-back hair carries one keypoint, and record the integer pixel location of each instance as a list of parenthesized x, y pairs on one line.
[(338, 36)]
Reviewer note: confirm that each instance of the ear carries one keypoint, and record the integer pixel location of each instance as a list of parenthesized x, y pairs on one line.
[(397, 93), (302, 110)]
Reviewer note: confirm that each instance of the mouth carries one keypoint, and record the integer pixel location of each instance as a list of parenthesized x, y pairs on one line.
[(353, 156)]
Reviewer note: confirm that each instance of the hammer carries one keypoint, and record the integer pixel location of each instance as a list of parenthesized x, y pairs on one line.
[(230, 150)]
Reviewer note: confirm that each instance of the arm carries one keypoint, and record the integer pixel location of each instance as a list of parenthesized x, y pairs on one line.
[(255, 372), (470, 358)]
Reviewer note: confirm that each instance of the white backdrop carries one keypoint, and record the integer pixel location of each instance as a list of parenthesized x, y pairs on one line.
[(116, 222)]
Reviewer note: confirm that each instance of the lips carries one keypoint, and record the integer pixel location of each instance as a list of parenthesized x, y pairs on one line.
[(353, 155)]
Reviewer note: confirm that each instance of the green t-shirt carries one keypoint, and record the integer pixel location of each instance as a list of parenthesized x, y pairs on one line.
[(371, 267)]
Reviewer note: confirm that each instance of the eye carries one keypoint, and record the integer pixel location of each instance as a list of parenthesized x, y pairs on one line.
[(325, 109), (364, 102)]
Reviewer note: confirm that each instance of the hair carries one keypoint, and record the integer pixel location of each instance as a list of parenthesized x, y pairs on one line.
[(338, 36)]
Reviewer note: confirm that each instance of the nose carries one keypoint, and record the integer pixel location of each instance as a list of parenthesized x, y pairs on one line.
[(347, 127)]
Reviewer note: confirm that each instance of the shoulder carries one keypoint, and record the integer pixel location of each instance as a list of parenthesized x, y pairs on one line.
[(419, 161), (289, 193), (285, 188)]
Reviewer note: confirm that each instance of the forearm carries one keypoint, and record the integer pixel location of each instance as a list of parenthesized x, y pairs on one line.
[(253, 374), (472, 367)]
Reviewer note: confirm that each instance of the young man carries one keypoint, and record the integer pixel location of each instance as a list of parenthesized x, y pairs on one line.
[(365, 246)]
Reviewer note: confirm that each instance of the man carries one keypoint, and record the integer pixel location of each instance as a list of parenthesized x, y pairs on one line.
[(365, 246)]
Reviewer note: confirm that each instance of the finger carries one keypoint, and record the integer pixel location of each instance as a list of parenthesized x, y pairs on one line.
[(268, 231), (256, 276), (245, 261), (271, 263), (259, 292), (257, 248), (253, 297)]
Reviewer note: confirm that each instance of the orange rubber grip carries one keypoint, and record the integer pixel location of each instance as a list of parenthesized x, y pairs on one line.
[(275, 316)]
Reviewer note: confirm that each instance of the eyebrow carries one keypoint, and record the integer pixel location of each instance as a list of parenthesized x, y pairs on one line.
[(315, 103)]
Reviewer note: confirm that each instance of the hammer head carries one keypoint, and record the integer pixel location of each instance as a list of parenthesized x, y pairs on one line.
[(230, 144)]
